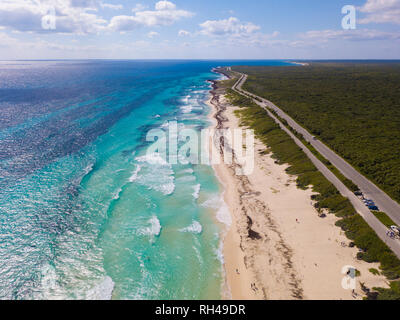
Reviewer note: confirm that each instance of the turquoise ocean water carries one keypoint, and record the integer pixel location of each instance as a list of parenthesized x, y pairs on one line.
[(83, 215)]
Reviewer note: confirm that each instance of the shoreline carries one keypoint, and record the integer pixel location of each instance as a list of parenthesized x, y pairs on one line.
[(277, 247), (237, 276)]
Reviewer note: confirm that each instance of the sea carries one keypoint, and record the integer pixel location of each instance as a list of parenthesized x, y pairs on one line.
[(84, 214)]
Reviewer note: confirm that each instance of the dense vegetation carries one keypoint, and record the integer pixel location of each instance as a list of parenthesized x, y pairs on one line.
[(348, 183), (353, 108), (286, 151), (384, 218)]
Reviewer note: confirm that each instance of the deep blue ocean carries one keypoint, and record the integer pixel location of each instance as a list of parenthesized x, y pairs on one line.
[(83, 215)]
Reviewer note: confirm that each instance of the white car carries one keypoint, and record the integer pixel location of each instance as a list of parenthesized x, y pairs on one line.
[(395, 229)]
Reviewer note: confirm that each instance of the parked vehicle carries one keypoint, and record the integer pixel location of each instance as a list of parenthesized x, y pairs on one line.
[(358, 193), (394, 232), (395, 229), (373, 208)]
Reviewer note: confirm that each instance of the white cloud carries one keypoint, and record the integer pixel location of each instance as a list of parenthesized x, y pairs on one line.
[(81, 16), (165, 14), (381, 11), (74, 16), (112, 6), (183, 33), (153, 34), (139, 7), (6, 40), (231, 26), (235, 33), (252, 41), (352, 35), (165, 5), (76, 3)]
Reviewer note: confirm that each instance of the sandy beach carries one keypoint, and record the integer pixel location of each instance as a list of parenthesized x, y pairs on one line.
[(277, 246)]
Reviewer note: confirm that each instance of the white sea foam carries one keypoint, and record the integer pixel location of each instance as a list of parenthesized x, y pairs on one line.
[(167, 188), (88, 169), (194, 228), (187, 108), (217, 203), (186, 99), (156, 174), (183, 179), (135, 173), (213, 202), (198, 255), (188, 171), (190, 107), (48, 279), (154, 228), (102, 291), (219, 252), (223, 214), (196, 192), (152, 158), (117, 194), (165, 125), (191, 103)]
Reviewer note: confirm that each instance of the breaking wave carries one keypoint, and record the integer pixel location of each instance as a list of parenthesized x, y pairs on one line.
[(103, 291), (154, 228), (135, 173), (194, 228), (196, 192), (218, 203), (157, 174)]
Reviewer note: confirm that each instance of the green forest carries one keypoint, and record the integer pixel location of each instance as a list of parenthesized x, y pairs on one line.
[(353, 108)]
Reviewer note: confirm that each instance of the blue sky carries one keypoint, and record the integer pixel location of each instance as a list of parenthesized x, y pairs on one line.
[(184, 29)]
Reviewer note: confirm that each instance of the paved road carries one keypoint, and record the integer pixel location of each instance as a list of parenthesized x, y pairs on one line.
[(367, 215), (370, 190)]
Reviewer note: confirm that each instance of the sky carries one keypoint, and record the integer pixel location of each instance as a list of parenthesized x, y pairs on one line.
[(206, 29)]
